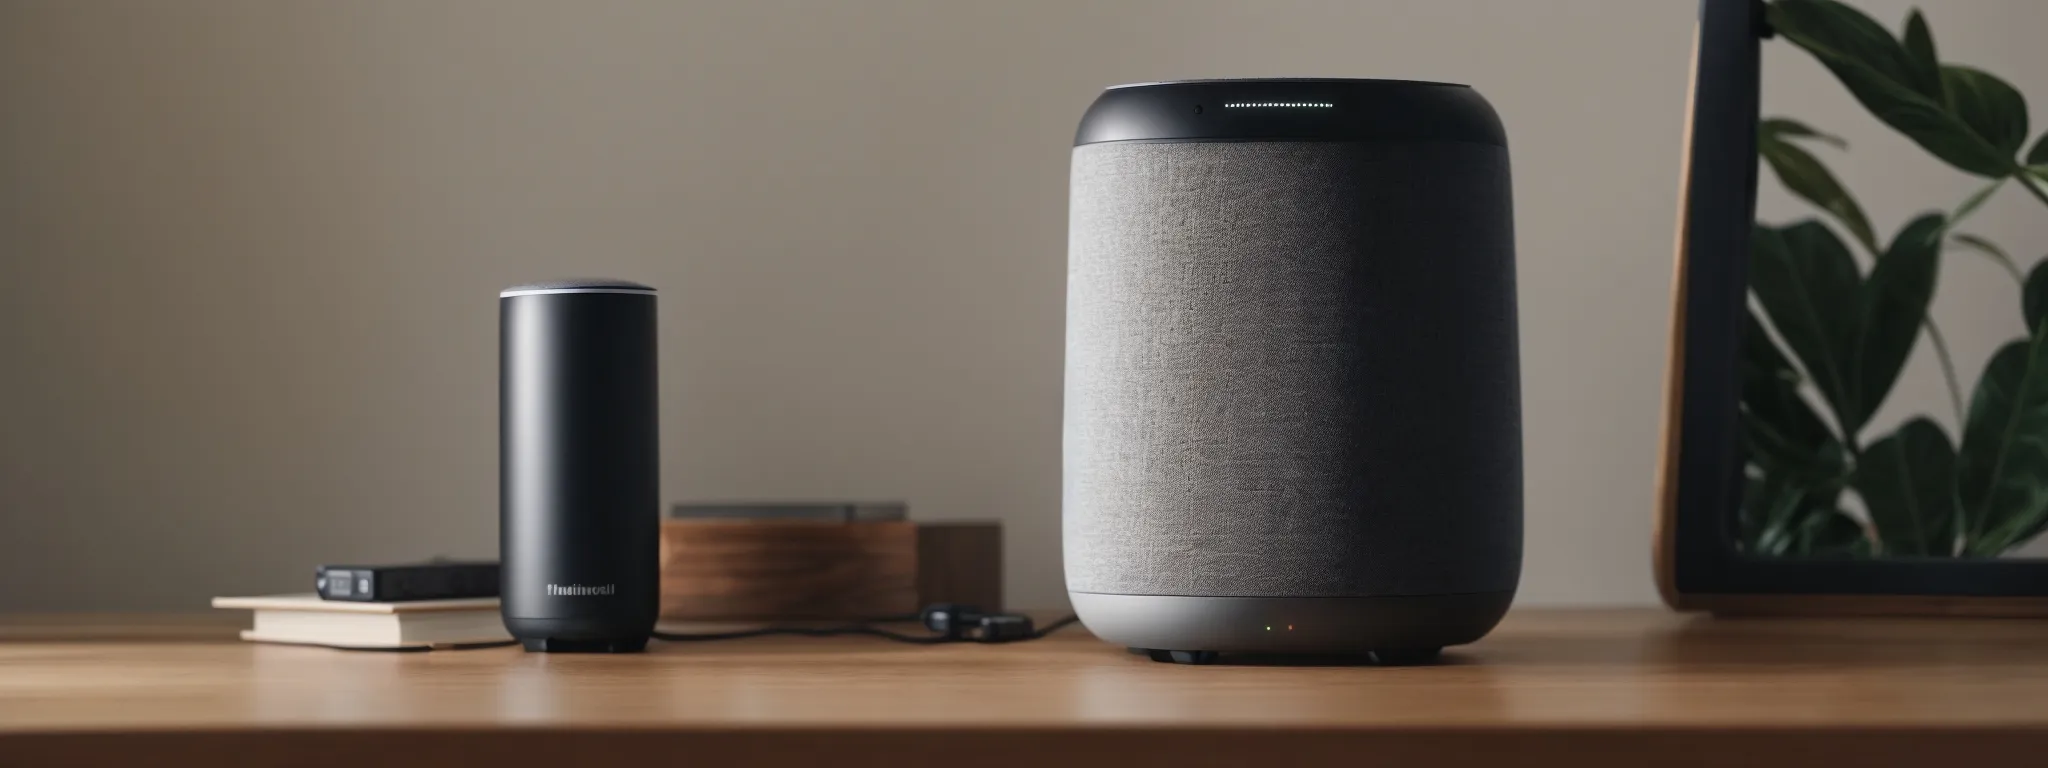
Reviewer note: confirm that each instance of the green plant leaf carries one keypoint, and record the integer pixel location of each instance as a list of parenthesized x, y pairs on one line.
[(1944, 136), (2002, 467), (1761, 356), (1779, 429), (1775, 446), (1768, 502), (1990, 249), (1749, 514), (1844, 35), (2034, 296), (1830, 533), (2039, 154), (1907, 481), (1920, 58), (1807, 283), (1991, 107), (1893, 302), (1788, 128), (1785, 515), (1797, 467), (1882, 75), (1772, 505), (1805, 176)]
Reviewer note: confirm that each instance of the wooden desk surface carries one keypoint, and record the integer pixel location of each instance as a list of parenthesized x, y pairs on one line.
[(1595, 687)]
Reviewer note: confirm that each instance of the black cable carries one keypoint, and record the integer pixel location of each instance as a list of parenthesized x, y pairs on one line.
[(860, 628), (865, 628), (474, 646), (851, 629), (1056, 626)]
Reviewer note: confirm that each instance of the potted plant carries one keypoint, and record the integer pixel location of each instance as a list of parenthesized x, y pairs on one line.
[(1826, 338)]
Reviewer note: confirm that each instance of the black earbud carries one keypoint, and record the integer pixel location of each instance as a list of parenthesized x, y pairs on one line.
[(1004, 627), (949, 619)]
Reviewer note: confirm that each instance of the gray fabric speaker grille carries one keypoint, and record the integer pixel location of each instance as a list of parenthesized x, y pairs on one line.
[(1291, 370)]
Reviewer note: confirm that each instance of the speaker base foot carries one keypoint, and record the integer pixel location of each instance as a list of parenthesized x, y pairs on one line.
[(556, 645), (1183, 657), (1405, 658)]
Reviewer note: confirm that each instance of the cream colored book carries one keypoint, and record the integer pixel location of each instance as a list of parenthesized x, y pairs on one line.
[(308, 620)]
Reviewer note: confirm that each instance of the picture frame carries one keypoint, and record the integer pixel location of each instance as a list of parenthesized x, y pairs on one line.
[(1700, 475)]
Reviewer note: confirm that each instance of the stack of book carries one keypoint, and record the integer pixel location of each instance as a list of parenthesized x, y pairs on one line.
[(419, 624)]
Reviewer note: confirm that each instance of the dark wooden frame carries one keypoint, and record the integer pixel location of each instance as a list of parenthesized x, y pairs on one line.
[(1699, 477)]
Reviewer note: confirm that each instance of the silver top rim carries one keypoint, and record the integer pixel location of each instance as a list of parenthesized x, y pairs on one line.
[(539, 291)]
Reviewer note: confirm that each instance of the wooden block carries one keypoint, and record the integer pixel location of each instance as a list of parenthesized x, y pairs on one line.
[(787, 569), (960, 563)]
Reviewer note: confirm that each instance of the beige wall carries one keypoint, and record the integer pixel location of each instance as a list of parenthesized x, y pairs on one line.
[(249, 251)]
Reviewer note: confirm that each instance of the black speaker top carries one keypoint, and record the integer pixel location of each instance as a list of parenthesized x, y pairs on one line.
[(1291, 109), (583, 285)]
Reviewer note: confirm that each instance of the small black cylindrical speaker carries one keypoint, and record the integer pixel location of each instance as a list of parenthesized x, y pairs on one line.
[(1293, 414), (578, 465)]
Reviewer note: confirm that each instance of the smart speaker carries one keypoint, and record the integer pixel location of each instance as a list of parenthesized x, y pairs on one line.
[(1293, 419), (579, 483)]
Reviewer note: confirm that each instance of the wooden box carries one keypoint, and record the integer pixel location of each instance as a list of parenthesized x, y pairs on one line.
[(774, 570)]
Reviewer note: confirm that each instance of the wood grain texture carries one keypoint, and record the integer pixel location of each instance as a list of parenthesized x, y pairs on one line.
[(960, 563), (1595, 687), (787, 569)]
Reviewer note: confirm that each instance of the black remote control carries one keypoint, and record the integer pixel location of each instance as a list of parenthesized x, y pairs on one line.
[(441, 580)]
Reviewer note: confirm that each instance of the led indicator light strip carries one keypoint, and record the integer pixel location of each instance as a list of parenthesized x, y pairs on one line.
[(1268, 104)]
